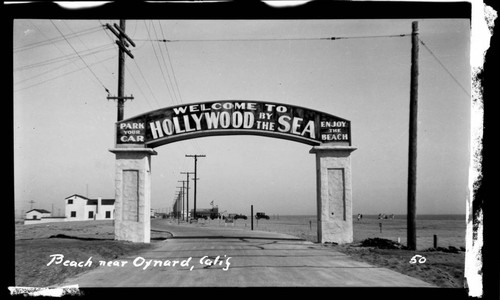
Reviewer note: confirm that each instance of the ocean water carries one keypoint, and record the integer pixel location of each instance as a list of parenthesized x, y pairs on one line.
[(305, 218), (450, 229)]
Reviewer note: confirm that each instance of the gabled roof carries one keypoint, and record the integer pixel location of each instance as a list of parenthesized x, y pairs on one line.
[(93, 201), (80, 196), (43, 211)]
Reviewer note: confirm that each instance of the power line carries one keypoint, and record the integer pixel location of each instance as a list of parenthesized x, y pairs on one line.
[(138, 68), (196, 145), (86, 47), (171, 65), (147, 83), (138, 86), (67, 73), (46, 72), (447, 71), (165, 64), (333, 38), (70, 61), (158, 60), (53, 43), (88, 67), (52, 40), (66, 57)]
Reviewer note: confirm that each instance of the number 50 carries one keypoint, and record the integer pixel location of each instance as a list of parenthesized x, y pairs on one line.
[(421, 259)]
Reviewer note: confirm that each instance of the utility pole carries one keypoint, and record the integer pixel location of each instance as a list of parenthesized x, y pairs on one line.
[(31, 204), (178, 205), (412, 147), (174, 207), (123, 42), (187, 193), (183, 189), (195, 178)]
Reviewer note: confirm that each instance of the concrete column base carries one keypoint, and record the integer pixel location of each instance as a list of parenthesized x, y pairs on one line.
[(334, 193), (133, 194)]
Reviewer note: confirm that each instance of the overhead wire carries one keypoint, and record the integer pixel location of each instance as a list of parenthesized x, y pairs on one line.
[(158, 60), (196, 145), (171, 65), (56, 39), (147, 84), (86, 47), (165, 64), (67, 73), (66, 57), (46, 72), (139, 69), (332, 38), (173, 98), (138, 86), (444, 67), (85, 63)]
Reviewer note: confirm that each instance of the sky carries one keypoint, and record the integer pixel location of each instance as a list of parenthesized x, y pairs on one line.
[(64, 124)]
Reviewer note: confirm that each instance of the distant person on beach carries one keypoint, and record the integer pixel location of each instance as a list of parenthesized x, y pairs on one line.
[(359, 217)]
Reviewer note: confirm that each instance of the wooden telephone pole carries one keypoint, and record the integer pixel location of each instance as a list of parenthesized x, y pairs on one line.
[(187, 193), (195, 179), (181, 201), (412, 148), (183, 190), (123, 42)]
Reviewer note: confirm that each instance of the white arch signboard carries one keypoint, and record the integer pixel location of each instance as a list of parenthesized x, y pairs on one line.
[(182, 122), (137, 136)]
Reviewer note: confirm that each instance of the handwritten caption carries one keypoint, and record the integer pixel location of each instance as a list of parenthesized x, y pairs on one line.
[(144, 263)]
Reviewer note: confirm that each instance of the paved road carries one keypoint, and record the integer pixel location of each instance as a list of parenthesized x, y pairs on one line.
[(227, 257)]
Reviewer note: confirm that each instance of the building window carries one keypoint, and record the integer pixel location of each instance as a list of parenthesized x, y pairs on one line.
[(73, 214), (108, 215), (91, 214), (70, 201)]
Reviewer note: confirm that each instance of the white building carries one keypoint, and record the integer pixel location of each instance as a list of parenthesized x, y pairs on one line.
[(37, 214), (80, 208)]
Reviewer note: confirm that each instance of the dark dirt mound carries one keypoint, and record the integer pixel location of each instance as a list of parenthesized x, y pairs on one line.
[(381, 244), (450, 249)]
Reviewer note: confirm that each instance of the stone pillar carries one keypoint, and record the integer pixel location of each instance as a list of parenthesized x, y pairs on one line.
[(133, 194), (334, 193)]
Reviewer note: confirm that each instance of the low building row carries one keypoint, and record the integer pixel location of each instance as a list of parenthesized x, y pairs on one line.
[(77, 208)]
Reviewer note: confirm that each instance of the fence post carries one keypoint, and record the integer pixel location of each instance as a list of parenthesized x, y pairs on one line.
[(251, 213)]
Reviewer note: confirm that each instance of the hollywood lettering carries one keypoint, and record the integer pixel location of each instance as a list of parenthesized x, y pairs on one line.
[(232, 117)]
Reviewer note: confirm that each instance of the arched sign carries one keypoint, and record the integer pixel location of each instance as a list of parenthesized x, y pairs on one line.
[(230, 117)]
